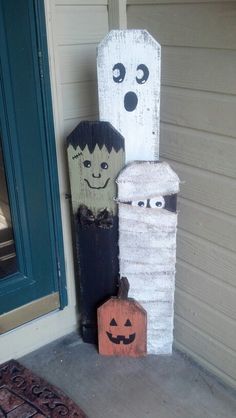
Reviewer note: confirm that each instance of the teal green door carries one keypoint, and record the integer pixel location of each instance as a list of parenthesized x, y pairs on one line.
[(28, 150)]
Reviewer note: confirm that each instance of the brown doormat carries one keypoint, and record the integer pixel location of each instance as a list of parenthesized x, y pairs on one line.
[(25, 395)]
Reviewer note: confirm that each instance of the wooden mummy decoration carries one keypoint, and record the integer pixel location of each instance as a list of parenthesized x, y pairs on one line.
[(122, 325), (147, 242), (95, 157), (128, 68)]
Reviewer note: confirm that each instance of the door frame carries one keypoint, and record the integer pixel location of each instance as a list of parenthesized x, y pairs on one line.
[(39, 42), (40, 18)]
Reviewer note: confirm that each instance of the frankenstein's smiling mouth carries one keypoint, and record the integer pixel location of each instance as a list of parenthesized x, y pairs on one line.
[(93, 187)]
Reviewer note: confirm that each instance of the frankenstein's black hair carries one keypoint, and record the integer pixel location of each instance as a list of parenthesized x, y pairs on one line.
[(95, 133)]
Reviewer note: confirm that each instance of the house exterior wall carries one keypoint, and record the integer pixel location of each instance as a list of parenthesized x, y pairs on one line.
[(198, 139)]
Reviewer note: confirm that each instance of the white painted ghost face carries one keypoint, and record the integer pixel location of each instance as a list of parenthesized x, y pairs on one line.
[(128, 68)]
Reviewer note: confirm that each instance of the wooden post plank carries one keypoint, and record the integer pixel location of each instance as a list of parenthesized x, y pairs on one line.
[(122, 326), (147, 243), (128, 68), (95, 157)]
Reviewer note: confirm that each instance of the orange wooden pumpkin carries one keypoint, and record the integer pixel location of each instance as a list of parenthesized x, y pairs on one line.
[(122, 325)]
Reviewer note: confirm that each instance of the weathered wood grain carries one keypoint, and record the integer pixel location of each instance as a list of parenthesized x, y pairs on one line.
[(128, 67), (122, 325), (95, 157), (147, 242), (70, 124)]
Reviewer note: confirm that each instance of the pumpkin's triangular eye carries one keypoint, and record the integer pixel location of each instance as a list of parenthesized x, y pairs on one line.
[(113, 323), (128, 323)]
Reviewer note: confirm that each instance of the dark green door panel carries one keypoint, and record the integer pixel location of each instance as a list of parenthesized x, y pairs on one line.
[(29, 154)]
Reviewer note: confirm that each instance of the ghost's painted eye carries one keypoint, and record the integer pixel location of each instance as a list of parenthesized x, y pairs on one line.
[(140, 203), (118, 72), (104, 166), (87, 163), (157, 202), (142, 74)]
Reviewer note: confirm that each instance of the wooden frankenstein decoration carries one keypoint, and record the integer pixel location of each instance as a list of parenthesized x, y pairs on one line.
[(147, 194), (128, 69), (95, 156), (122, 325)]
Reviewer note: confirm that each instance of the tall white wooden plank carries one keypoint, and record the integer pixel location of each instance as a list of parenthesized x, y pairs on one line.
[(128, 67)]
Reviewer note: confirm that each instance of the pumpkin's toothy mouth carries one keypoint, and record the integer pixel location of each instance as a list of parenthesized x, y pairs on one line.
[(121, 338)]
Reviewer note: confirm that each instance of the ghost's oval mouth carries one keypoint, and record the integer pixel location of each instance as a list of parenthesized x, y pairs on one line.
[(130, 101), (101, 187)]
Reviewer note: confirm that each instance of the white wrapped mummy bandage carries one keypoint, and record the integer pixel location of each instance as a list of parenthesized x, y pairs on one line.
[(147, 242)]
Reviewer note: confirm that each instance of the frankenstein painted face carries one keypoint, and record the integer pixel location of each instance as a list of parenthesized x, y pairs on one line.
[(95, 156)]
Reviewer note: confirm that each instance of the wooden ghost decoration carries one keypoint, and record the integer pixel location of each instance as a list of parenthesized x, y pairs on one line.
[(128, 69), (147, 242), (95, 157)]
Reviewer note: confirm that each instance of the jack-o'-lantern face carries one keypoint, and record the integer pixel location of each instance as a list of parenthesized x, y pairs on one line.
[(122, 328), (125, 338)]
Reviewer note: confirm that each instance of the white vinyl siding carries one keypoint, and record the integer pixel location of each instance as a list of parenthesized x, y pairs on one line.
[(78, 26)]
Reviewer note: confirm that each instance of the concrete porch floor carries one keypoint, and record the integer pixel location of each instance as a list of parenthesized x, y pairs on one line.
[(153, 387)]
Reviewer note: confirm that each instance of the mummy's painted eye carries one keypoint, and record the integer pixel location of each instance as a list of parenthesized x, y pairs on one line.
[(87, 163), (118, 72), (140, 203), (157, 202), (104, 166), (143, 74)]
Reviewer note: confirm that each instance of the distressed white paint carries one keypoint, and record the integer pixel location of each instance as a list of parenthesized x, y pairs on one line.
[(147, 242), (139, 125)]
